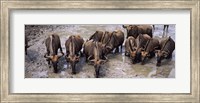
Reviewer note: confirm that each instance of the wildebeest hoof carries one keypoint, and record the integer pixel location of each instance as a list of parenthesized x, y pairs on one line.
[(142, 63), (133, 62), (55, 71), (97, 76), (158, 64), (73, 72)]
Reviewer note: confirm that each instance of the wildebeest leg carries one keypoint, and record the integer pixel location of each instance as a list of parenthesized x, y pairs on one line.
[(86, 57), (121, 48), (48, 60), (152, 54), (117, 50), (167, 26), (164, 31), (81, 54), (153, 27), (60, 49)]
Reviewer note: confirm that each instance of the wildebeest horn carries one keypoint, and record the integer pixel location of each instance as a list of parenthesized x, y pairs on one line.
[(91, 62), (106, 57), (165, 53), (50, 57), (89, 57)]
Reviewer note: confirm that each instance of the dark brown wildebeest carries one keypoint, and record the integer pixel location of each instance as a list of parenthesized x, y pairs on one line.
[(26, 44), (141, 42), (73, 46), (149, 50), (116, 40), (52, 45), (135, 30), (94, 54), (97, 36), (167, 48), (130, 48)]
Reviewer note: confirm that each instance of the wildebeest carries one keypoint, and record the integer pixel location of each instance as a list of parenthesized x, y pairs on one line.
[(135, 30), (149, 50), (130, 48), (94, 54), (52, 45), (73, 46), (97, 36), (167, 48), (116, 40), (141, 42), (26, 44)]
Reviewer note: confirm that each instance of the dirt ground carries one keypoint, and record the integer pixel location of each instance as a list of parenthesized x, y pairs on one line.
[(118, 66)]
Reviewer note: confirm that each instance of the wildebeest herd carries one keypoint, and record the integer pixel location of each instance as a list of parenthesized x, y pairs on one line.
[(139, 46)]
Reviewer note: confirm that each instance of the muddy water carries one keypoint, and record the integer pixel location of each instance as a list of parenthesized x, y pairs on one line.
[(118, 66)]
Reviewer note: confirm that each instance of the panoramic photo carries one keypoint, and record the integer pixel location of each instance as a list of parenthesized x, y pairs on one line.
[(100, 51)]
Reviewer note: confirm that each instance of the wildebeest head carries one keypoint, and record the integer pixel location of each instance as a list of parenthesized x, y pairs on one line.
[(133, 51), (160, 56), (144, 55), (132, 30), (54, 60), (97, 61), (97, 65), (133, 56), (73, 59)]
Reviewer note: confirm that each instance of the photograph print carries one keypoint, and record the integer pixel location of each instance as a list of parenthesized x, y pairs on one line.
[(100, 51)]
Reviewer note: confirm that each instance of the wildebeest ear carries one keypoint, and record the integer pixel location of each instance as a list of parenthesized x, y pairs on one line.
[(103, 61), (91, 61), (49, 57), (165, 54)]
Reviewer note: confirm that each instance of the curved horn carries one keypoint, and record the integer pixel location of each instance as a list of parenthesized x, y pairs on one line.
[(50, 57), (106, 57), (89, 57)]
